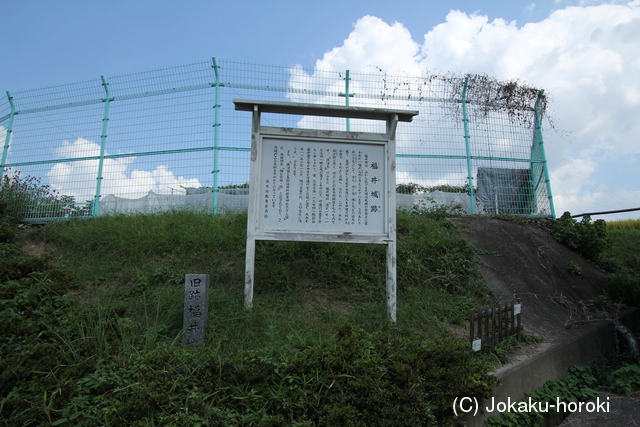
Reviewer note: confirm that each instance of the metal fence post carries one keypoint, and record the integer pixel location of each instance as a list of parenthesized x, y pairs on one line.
[(103, 139), (7, 136), (347, 95), (538, 137), (465, 120), (216, 125)]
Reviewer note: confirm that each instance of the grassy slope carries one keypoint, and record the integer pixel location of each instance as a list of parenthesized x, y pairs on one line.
[(315, 347), (93, 330), (623, 259), (302, 289)]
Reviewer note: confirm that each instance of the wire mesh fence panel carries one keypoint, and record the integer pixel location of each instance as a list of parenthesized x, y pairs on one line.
[(170, 139), (50, 135)]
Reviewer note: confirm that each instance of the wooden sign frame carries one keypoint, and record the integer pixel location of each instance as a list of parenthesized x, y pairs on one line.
[(322, 186)]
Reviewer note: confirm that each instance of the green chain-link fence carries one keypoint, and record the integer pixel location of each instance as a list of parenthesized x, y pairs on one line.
[(171, 139)]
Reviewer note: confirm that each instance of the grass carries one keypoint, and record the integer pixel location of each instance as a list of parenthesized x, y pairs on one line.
[(622, 259), (318, 282), (627, 224), (103, 314), (624, 249), (93, 330)]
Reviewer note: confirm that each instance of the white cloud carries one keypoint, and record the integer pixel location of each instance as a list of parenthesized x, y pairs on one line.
[(78, 178), (573, 175), (586, 58), (374, 43)]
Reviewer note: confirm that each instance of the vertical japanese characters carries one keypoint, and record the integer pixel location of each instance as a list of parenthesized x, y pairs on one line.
[(196, 304), (319, 187)]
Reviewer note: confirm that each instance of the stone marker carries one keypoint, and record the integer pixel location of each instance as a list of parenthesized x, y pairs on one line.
[(196, 305)]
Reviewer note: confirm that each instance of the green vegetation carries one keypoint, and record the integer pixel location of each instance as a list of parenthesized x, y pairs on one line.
[(622, 259), (27, 197), (615, 246), (580, 384), (585, 237), (574, 268), (577, 386), (627, 224), (91, 333), (618, 251)]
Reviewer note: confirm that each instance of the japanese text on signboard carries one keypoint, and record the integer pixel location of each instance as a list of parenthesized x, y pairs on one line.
[(325, 186)]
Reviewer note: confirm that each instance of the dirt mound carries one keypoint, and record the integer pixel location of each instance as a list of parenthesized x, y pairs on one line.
[(523, 261)]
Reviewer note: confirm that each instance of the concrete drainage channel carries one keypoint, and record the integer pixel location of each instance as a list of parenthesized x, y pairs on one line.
[(581, 345)]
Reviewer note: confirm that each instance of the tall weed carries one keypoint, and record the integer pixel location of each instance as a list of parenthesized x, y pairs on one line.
[(622, 260), (626, 224)]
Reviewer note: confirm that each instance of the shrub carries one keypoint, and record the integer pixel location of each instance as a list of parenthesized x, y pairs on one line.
[(29, 198), (360, 379), (8, 234), (625, 286), (585, 237)]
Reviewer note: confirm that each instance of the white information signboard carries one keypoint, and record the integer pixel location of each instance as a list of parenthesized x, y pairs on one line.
[(322, 186)]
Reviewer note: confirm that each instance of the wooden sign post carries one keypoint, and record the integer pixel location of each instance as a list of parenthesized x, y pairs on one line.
[(322, 186)]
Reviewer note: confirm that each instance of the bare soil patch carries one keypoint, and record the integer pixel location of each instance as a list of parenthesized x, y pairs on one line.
[(524, 261)]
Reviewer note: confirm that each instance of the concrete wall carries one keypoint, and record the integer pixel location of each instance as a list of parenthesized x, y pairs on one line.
[(581, 345)]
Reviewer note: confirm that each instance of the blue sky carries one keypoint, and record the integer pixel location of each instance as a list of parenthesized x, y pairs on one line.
[(586, 54), (58, 41)]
